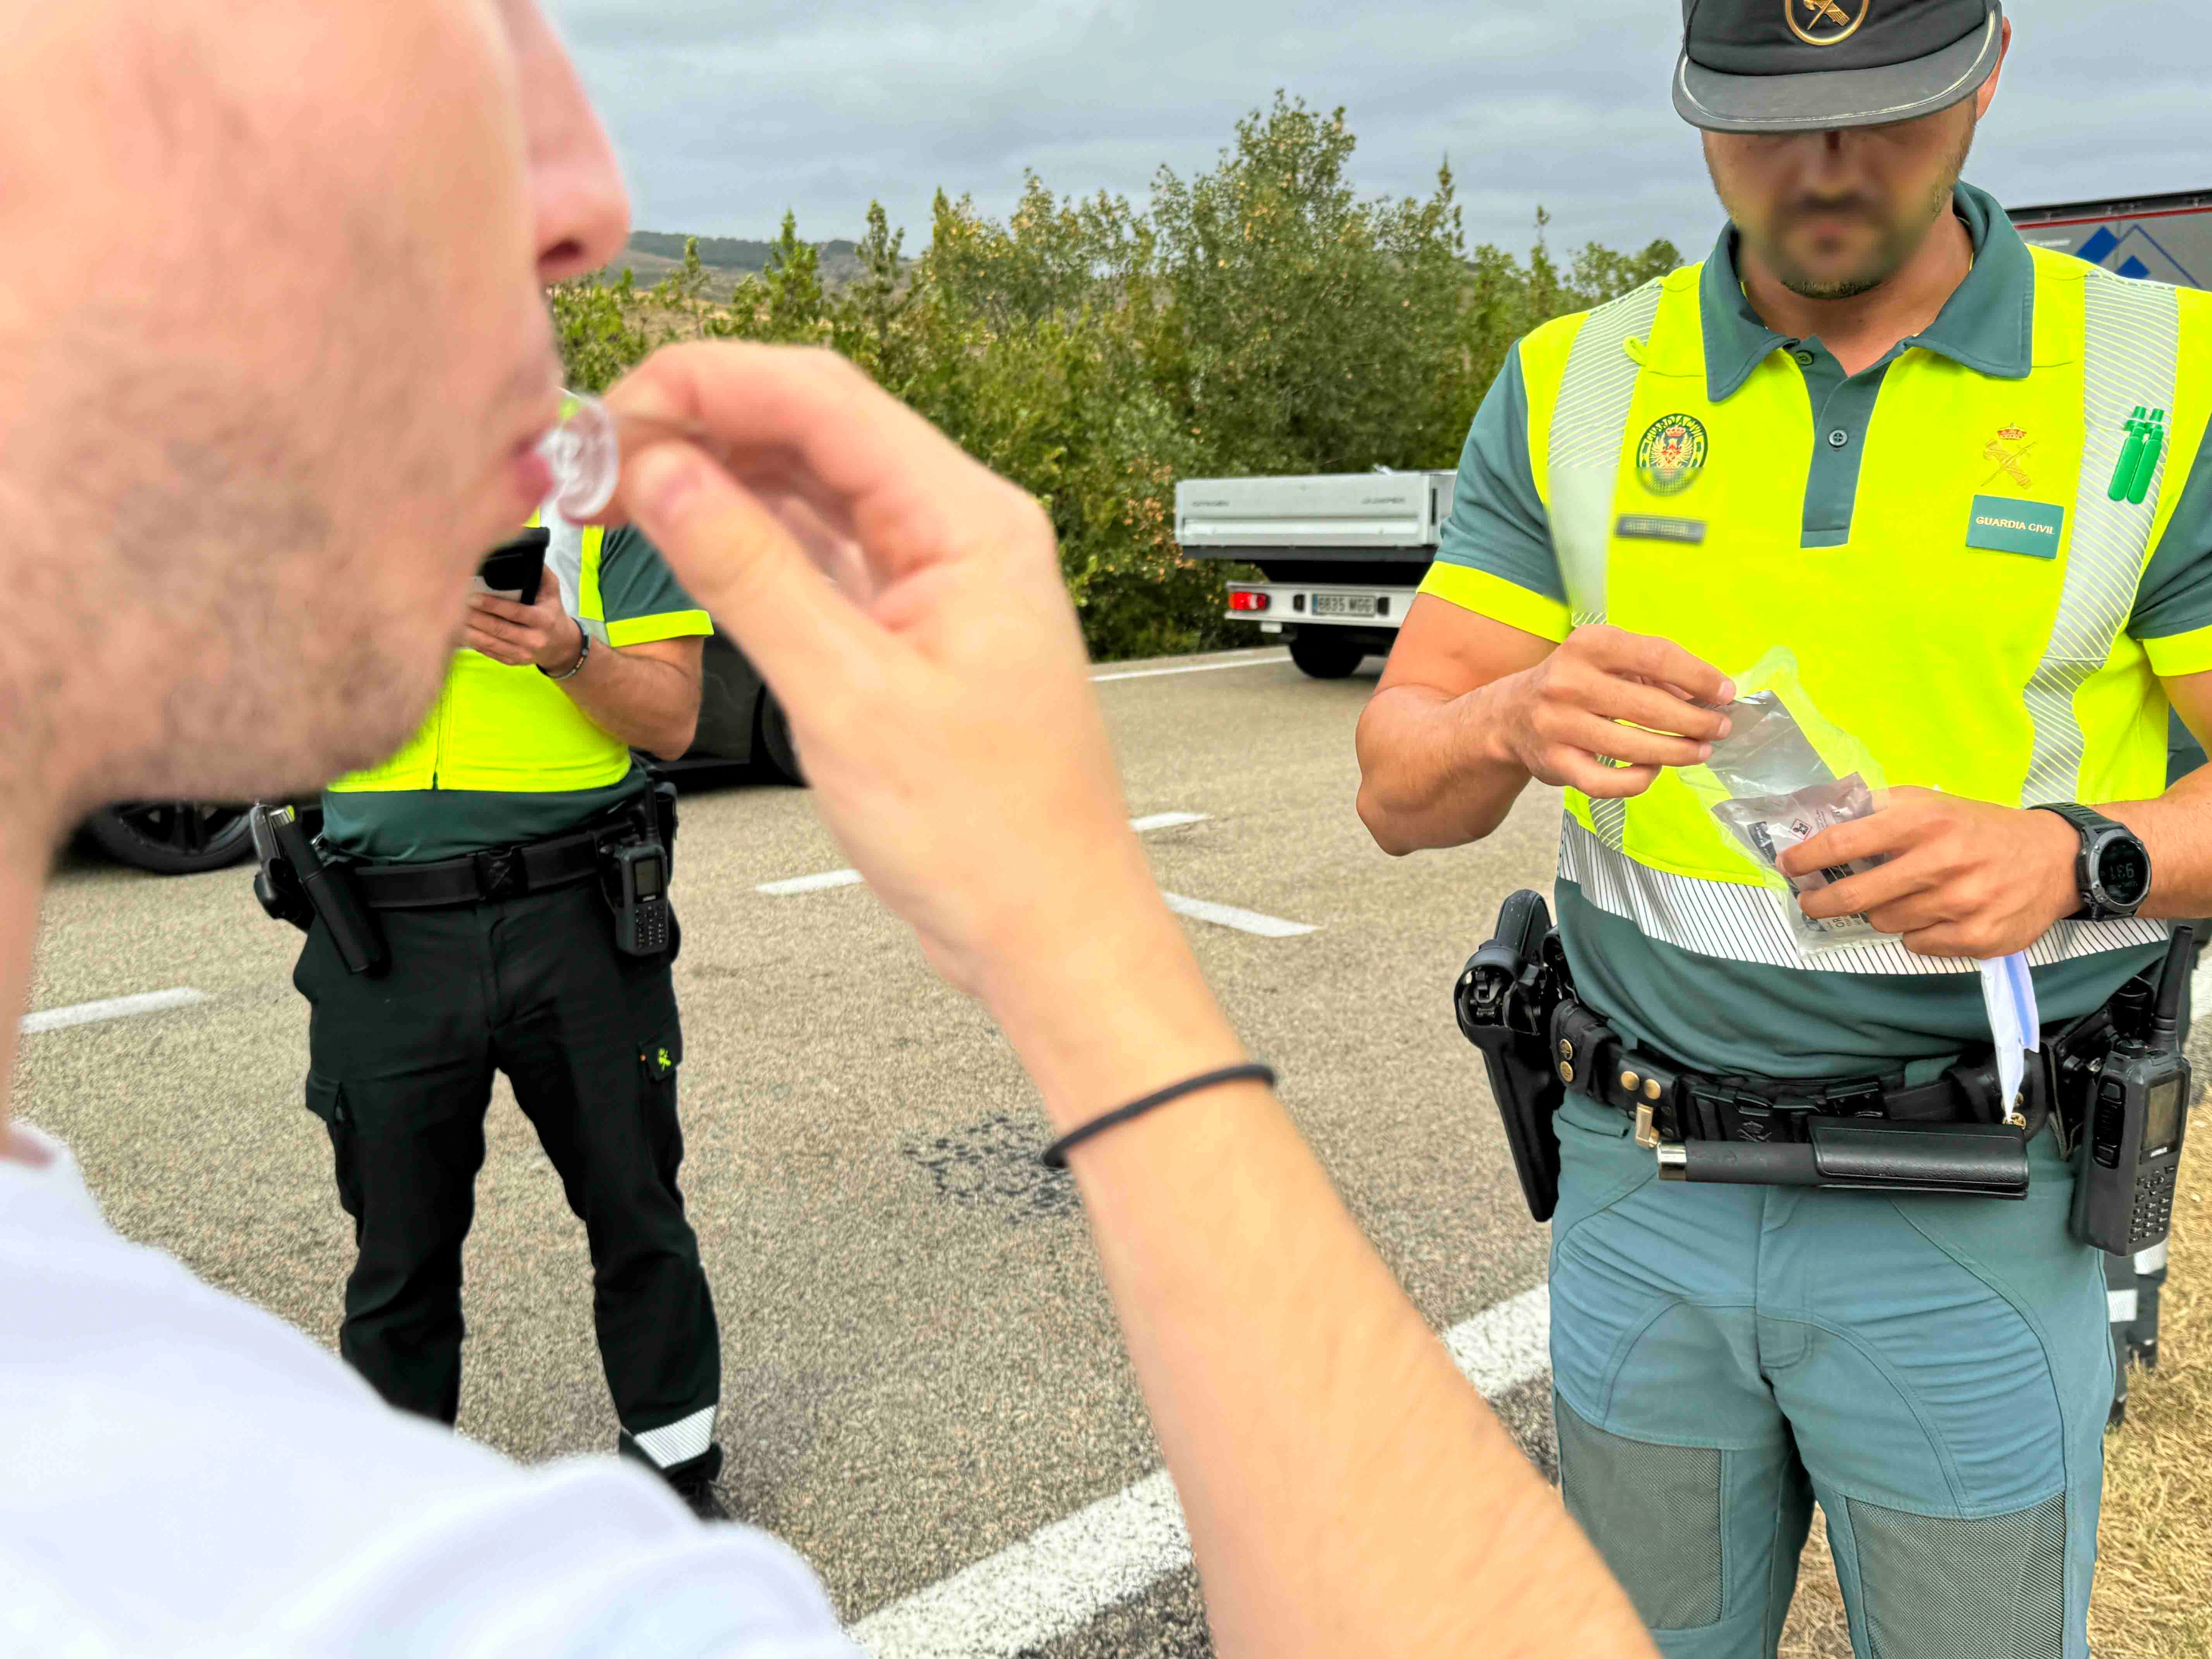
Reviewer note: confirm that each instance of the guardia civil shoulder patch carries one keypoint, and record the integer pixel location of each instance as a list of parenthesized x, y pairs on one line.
[(1671, 455)]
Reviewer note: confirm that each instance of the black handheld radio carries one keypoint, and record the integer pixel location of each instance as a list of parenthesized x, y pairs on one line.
[(2131, 1142), (639, 874)]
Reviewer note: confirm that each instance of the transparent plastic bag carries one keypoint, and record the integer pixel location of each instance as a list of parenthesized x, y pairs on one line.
[(1783, 774)]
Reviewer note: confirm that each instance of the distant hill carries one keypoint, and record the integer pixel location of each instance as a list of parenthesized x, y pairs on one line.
[(652, 254)]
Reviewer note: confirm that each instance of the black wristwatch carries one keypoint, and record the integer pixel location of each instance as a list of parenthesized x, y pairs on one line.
[(2112, 871)]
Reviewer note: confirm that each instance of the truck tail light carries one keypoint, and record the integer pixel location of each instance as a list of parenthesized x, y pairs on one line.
[(1245, 598)]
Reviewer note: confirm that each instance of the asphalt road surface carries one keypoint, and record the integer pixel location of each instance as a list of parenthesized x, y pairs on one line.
[(923, 1390)]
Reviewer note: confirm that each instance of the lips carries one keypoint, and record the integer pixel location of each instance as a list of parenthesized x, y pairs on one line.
[(533, 475)]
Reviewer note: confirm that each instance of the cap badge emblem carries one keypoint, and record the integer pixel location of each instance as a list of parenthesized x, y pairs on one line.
[(2008, 449), (1824, 22)]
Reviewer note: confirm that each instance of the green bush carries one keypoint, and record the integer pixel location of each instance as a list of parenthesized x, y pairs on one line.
[(1259, 318)]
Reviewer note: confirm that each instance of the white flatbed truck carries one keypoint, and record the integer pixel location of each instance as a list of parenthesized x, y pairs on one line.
[(1344, 553)]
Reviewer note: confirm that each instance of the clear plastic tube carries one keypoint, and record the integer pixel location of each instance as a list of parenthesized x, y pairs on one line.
[(584, 452), (585, 456)]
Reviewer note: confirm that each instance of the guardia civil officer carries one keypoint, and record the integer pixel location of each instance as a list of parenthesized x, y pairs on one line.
[(1965, 482), (481, 850)]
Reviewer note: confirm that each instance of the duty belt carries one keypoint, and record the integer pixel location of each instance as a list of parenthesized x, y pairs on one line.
[(1672, 1104), (502, 872)]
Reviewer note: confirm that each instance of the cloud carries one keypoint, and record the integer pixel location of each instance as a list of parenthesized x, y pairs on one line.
[(727, 114)]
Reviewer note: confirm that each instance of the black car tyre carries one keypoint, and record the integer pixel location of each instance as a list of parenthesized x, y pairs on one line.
[(172, 837), (774, 745), (1323, 654)]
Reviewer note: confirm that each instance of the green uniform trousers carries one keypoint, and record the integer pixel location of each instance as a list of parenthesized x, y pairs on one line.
[(1936, 1370), (401, 1070)]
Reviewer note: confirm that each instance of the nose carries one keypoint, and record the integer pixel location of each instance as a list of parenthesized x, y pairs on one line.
[(580, 208)]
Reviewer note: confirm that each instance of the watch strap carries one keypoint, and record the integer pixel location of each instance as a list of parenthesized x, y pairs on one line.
[(2077, 815), (2088, 823)]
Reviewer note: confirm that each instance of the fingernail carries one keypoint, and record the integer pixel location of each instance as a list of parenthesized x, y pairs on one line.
[(1728, 691), (1705, 751), (659, 481), (1727, 725)]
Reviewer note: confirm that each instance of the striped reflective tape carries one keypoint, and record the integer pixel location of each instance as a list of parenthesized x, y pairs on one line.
[(679, 1441), (1581, 466), (1741, 922), (2132, 336)]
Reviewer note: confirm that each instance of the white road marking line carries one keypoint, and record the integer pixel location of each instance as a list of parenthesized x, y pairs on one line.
[(1228, 915), (1166, 821), (88, 1013), (1063, 1575), (810, 883), (1194, 668), (846, 877)]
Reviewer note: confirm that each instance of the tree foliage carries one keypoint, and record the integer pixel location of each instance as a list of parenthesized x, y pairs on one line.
[(1259, 317)]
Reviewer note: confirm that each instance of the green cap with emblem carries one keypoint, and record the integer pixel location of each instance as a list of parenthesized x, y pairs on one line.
[(1815, 65)]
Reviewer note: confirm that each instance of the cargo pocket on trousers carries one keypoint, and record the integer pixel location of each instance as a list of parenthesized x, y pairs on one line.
[(1654, 1513), (326, 1100), (660, 1054)]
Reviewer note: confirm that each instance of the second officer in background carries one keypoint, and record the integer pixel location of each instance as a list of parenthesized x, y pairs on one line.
[(481, 851)]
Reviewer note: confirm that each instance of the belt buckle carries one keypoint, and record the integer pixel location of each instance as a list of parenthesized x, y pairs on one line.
[(1864, 1100), (501, 873)]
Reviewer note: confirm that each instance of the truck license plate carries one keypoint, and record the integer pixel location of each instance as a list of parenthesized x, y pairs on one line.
[(1344, 604)]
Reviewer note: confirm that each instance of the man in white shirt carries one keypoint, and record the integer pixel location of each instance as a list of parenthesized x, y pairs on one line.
[(271, 385), (285, 340)]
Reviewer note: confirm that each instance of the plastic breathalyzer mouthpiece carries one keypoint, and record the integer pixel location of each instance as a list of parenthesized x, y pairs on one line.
[(586, 458)]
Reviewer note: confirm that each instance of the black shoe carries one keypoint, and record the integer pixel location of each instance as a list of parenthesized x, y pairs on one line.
[(692, 1480), (698, 1490)]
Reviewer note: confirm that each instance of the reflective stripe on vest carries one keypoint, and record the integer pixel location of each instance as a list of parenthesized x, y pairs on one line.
[(1582, 466), (513, 730), (2133, 330), (1921, 684)]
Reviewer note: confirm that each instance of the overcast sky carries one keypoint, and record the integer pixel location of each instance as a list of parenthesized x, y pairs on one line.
[(727, 111)]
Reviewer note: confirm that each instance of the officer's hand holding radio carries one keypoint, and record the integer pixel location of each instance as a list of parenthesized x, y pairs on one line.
[(1366, 1498), (542, 635), (1964, 877)]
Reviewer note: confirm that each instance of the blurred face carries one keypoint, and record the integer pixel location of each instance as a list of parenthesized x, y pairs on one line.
[(1833, 215), (268, 388)]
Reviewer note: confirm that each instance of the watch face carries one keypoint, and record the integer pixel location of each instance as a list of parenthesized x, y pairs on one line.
[(2124, 871)]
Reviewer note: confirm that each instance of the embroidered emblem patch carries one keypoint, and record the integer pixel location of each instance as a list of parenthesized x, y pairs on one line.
[(2006, 449), (1671, 453), (1824, 22)]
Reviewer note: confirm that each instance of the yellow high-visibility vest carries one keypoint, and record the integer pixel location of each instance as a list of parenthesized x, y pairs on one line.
[(511, 730), (1971, 627)]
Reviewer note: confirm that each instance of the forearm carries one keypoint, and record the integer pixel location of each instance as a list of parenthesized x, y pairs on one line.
[(1346, 1490), (647, 703), (1430, 773), (2177, 828)]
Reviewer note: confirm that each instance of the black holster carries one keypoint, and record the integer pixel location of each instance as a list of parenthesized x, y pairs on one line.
[(1504, 1000), (296, 884)]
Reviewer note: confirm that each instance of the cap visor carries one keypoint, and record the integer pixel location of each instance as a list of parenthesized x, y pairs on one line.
[(1839, 98)]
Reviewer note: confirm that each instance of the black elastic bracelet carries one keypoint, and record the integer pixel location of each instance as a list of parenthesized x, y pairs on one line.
[(1055, 1155)]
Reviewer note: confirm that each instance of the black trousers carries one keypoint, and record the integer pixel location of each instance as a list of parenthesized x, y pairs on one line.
[(401, 1070)]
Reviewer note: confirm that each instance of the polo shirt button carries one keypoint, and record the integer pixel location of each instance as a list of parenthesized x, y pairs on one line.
[(1839, 438), (1805, 357)]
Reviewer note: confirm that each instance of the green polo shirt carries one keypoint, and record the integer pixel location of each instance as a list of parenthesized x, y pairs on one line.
[(640, 601), (1496, 556)]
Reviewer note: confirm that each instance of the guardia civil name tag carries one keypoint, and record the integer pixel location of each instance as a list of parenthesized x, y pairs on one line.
[(2005, 526)]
